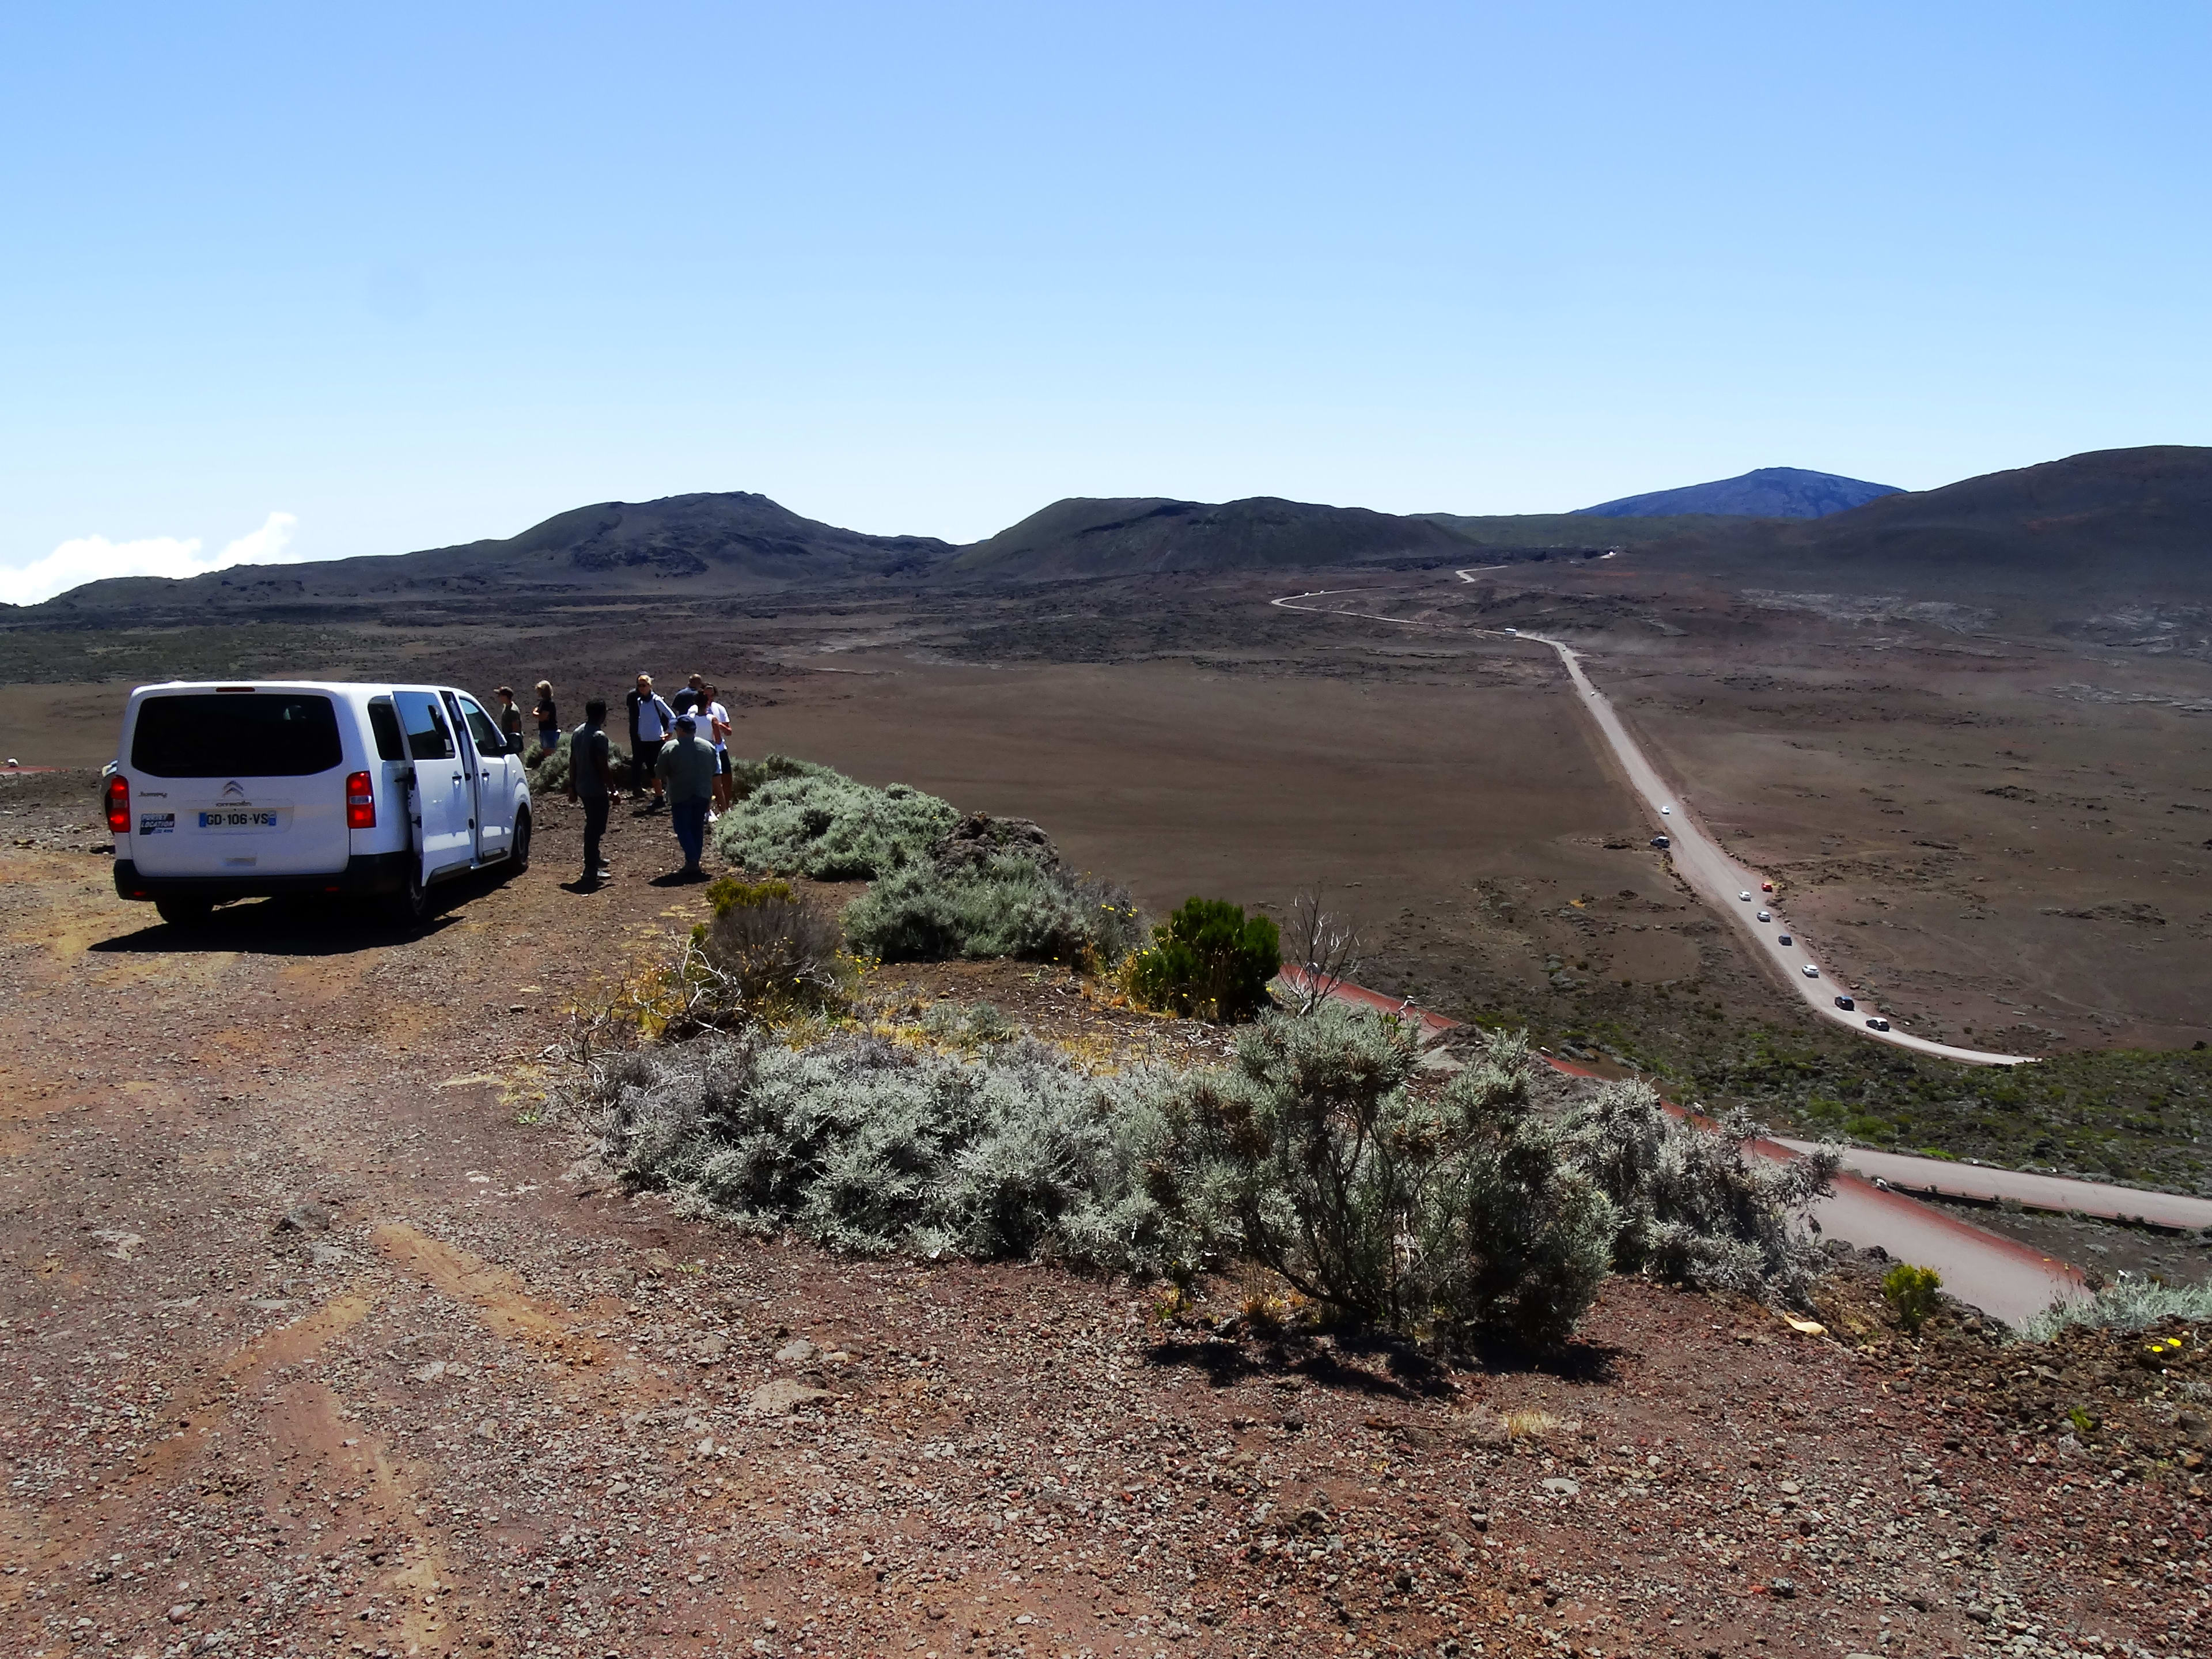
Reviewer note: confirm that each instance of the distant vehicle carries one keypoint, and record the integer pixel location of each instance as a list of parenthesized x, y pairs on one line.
[(1846, 1003), (1878, 1025), (1783, 938), (1745, 897), (1513, 631), (1766, 916), (1661, 842), (1810, 971), (1666, 809), (226, 792), (1767, 887)]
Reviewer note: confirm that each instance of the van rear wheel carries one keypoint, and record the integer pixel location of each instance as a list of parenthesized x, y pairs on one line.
[(180, 911), (407, 907), (518, 860)]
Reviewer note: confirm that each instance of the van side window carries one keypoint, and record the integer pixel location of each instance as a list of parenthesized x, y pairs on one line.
[(384, 722), (487, 739), (428, 737)]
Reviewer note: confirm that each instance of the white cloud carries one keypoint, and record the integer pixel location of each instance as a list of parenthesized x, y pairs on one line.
[(89, 558)]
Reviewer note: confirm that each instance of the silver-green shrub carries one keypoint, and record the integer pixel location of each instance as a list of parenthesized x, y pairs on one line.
[(1442, 1212), (868, 1145), (807, 820), (2130, 1302), (1003, 905), (1694, 1205)]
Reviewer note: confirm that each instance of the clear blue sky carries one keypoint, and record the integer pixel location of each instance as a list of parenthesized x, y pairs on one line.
[(412, 275)]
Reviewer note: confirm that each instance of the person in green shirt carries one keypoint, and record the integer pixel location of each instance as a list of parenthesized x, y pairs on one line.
[(686, 768)]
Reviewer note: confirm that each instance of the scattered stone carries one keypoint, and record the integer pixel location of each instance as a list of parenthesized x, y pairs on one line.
[(304, 1218), (797, 1352), (1563, 1487), (783, 1396), (710, 1350)]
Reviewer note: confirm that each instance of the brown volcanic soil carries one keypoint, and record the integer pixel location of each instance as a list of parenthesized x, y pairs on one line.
[(2004, 855), (317, 1340)]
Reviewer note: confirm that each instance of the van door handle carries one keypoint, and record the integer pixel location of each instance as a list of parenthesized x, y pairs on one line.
[(459, 777)]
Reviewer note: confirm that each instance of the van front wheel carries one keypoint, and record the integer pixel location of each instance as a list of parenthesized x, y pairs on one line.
[(180, 911)]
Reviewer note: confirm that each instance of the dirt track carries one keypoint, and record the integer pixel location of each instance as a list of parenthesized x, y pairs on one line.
[(315, 1346)]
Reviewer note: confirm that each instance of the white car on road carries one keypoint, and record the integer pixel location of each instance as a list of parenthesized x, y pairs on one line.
[(1810, 971)]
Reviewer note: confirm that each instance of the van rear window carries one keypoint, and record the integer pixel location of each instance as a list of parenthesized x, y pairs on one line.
[(261, 734)]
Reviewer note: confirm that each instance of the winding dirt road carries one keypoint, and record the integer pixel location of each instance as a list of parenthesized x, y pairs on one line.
[(1715, 878)]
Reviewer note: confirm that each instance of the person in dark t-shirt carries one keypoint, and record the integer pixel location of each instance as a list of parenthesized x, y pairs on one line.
[(591, 782)]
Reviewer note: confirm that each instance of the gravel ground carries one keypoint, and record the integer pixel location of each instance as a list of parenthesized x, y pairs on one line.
[(320, 1340)]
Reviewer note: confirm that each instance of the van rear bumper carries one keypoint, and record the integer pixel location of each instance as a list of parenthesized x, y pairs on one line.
[(366, 873)]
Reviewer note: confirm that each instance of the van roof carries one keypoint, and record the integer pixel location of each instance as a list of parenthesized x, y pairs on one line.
[(371, 686)]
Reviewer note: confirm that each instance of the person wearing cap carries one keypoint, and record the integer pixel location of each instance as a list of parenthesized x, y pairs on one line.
[(686, 768), (510, 719), (650, 722)]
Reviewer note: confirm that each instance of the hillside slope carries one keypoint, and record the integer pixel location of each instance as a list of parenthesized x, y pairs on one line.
[(728, 542), (2114, 522), (1083, 537), (1768, 492)]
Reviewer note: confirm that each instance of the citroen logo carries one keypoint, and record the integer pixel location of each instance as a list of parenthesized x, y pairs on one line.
[(234, 787)]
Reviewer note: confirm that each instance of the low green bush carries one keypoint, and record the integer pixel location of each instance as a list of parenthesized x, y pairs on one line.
[(1910, 1293), (1443, 1214), (1207, 961), (548, 768), (1004, 905), (799, 819), (775, 949)]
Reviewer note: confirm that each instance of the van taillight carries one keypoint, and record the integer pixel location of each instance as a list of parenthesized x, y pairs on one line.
[(361, 802), (118, 804)]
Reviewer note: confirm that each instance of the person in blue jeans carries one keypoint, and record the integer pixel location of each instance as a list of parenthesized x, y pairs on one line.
[(686, 768)]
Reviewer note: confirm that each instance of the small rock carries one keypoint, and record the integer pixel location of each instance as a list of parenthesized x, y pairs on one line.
[(1784, 1588), (307, 1218), (1563, 1487), (783, 1396), (710, 1351), (1478, 1519), (797, 1352)]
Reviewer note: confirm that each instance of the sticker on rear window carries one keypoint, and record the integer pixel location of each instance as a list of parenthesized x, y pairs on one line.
[(157, 824)]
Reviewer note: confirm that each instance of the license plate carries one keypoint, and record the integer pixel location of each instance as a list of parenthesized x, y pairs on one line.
[(246, 818)]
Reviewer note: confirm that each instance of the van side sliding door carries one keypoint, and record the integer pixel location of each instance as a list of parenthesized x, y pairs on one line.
[(442, 795)]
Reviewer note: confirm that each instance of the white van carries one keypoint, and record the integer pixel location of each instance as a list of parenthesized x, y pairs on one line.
[(224, 791)]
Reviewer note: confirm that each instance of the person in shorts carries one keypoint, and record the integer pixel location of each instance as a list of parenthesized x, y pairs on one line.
[(548, 719), (651, 722), (714, 726)]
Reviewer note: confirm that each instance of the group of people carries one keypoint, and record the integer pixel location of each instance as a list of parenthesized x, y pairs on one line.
[(679, 751)]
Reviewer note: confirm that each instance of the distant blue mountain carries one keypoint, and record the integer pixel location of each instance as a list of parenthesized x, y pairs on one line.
[(1772, 492)]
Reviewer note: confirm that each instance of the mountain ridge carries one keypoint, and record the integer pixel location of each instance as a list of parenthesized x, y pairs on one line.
[(2101, 521), (1766, 492)]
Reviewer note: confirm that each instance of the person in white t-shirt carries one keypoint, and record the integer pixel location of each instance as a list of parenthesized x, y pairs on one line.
[(651, 723), (716, 721)]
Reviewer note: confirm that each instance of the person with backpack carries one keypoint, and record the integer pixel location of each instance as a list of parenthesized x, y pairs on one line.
[(651, 721), (592, 783), (686, 700)]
